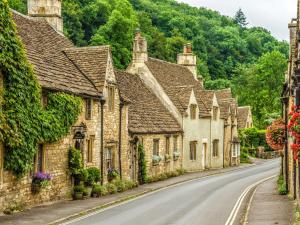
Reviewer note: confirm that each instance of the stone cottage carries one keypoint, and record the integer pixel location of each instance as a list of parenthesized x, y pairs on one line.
[(228, 109), (244, 117), (180, 91), (100, 131), (151, 125)]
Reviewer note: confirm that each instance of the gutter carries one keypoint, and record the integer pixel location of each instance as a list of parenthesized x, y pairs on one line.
[(120, 137), (102, 102)]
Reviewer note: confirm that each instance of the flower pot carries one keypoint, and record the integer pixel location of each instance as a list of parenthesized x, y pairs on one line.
[(95, 195), (78, 196)]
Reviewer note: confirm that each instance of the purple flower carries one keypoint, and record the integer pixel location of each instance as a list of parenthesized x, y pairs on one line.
[(40, 176)]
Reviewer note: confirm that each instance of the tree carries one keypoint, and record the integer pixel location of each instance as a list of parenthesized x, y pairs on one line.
[(259, 85), (240, 18)]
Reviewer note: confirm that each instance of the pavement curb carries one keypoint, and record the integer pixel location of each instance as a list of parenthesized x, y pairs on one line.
[(134, 196)]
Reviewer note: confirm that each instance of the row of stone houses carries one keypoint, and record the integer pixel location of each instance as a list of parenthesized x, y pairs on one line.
[(290, 97), (160, 105)]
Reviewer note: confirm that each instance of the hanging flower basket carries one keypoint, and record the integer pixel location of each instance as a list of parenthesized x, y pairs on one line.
[(294, 128), (39, 181), (275, 135)]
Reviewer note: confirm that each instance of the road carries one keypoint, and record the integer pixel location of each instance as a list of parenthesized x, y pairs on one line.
[(207, 201)]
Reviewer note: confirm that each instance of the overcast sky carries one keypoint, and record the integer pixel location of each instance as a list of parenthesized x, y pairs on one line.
[(271, 14)]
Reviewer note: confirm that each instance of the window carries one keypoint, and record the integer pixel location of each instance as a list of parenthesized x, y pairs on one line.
[(216, 148), (193, 149), (193, 111), (90, 149), (175, 144), (167, 145), (156, 147), (39, 162), (88, 109), (109, 158), (215, 113), (234, 150), (111, 98)]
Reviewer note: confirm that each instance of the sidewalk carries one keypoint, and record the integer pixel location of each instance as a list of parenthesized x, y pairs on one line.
[(268, 207), (48, 213)]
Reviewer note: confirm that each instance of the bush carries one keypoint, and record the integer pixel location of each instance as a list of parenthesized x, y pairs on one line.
[(181, 171), (111, 188), (253, 138), (84, 174), (142, 164), (112, 174), (120, 185), (93, 176), (99, 190), (85, 192), (78, 189), (281, 186), (130, 184), (244, 157), (75, 161)]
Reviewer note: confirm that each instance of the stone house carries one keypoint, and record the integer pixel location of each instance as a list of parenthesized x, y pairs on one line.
[(244, 117), (228, 109), (290, 98), (88, 73), (180, 91), (152, 125)]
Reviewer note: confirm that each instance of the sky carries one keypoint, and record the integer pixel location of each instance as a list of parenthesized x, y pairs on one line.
[(273, 15)]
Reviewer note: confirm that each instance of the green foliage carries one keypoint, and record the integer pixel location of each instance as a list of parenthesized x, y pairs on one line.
[(253, 138), (99, 190), (78, 189), (93, 176), (142, 164), (121, 186), (245, 157), (260, 85), (27, 121), (240, 18), (111, 188), (281, 186), (75, 161), (217, 84)]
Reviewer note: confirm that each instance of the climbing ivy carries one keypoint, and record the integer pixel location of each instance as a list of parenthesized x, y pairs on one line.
[(142, 164), (25, 121)]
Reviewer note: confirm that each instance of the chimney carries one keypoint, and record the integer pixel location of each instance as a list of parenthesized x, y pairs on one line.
[(47, 9), (188, 59), (140, 48)]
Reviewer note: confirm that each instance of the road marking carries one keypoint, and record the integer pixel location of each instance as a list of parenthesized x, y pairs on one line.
[(236, 208), (249, 206), (88, 214)]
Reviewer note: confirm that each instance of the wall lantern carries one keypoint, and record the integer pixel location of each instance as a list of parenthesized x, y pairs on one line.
[(79, 131)]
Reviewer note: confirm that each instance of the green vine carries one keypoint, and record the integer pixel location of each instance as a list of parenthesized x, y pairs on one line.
[(142, 164), (25, 122)]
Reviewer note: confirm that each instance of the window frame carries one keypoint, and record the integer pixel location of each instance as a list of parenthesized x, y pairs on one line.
[(90, 149), (109, 158), (167, 150), (40, 159), (216, 148), (155, 150), (88, 108), (193, 150), (175, 143)]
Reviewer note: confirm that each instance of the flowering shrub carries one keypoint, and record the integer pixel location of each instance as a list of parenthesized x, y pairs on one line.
[(275, 135), (40, 180), (112, 174), (294, 128)]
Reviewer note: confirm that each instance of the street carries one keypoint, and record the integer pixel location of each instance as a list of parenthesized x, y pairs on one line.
[(207, 201)]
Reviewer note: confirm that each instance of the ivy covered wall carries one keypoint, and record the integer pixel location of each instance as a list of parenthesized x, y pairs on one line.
[(23, 120)]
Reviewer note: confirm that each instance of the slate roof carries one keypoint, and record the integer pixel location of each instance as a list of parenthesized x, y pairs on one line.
[(243, 113), (92, 61), (225, 105), (146, 113), (44, 48), (224, 93), (178, 82)]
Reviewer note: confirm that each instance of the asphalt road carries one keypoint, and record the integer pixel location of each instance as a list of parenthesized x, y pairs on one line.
[(208, 201)]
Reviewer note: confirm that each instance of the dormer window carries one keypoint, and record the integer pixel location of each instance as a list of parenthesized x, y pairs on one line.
[(111, 98), (193, 111), (88, 108), (215, 112)]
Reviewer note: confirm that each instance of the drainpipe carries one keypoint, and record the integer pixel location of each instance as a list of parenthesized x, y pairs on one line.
[(102, 102), (120, 137)]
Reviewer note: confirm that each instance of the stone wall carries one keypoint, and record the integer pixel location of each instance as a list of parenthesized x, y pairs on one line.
[(55, 160), (163, 166)]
